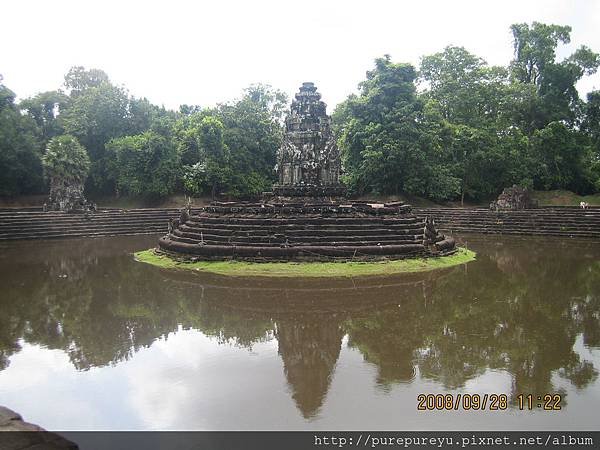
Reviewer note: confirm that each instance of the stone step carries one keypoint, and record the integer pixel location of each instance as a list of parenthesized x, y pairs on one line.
[(84, 223), (81, 232), (336, 243), (73, 217), (306, 221), (32, 223), (282, 238), (313, 252), (523, 231), (556, 224), (299, 228), (298, 232)]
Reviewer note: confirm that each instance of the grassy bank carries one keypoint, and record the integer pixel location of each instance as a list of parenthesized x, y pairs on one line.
[(564, 198), (309, 269)]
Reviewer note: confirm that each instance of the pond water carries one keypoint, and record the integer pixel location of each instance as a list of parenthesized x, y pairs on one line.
[(92, 340)]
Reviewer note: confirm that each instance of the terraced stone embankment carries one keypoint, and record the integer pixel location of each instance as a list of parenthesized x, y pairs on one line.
[(33, 223), (546, 221), (309, 231), (30, 223)]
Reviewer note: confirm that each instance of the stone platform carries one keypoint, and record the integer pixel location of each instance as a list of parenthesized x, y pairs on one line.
[(305, 231)]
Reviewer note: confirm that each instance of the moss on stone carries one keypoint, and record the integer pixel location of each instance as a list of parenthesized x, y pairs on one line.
[(308, 269)]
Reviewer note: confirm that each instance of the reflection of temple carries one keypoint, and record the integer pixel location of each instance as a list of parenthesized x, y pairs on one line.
[(309, 349)]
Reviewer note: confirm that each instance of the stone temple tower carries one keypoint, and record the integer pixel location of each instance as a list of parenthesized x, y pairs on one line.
[(307, 216), (308, 161)]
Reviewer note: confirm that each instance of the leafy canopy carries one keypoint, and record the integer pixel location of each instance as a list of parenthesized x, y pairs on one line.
[(66, 161)]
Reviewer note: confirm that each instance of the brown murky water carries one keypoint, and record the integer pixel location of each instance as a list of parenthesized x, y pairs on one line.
[(92, 340)]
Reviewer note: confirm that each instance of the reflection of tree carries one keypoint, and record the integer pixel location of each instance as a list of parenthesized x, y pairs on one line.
[(69, 298), (519, 308), (229, 326)]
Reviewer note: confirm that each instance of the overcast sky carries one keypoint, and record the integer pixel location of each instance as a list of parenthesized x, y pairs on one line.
[(197, 52)]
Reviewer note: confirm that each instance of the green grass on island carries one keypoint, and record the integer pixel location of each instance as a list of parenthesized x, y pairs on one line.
[(309, 269)]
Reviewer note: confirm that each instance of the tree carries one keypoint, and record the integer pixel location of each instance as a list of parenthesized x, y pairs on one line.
[(535, 63), (387, 145), (231, 148), (591, 126), (143, 116), (253, 133), (591, 123), (478, 106), (98, 114), (148, 164), (44, 109), (78, 79), (467, 90), (212, 170), (561, 157), (187, 135), (535, 49), (65, 162), (20, 149)]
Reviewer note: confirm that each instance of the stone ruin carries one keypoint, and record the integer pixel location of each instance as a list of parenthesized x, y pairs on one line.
[(514, 198), (67, 197), (308, 161), (306, 217)]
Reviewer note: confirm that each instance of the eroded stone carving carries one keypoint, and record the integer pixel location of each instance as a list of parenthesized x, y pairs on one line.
[(514, 198), (308, 161), (67, 197)]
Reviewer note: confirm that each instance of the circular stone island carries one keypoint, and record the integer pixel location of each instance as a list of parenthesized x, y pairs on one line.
[(307, 217), (305, 240), (353, 231)]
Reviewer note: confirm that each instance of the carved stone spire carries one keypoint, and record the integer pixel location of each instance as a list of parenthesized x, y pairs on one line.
[(308, 161)]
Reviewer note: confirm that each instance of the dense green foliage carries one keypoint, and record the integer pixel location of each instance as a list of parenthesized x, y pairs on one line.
[(231, 149), (147, 164), (475, 129), (66, 160), (20, 149), (453, 128)]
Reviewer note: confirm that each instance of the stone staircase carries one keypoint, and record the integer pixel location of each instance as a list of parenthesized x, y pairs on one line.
[(33, 223), (312, 231), (546, 221)]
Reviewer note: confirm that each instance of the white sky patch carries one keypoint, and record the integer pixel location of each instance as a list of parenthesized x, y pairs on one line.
[(207, 52), (44, 387)]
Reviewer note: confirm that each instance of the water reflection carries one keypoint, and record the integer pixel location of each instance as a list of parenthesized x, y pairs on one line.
[(519, 308)]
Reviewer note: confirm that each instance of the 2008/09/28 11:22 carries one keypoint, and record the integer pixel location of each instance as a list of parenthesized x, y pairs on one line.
[(491, 402)]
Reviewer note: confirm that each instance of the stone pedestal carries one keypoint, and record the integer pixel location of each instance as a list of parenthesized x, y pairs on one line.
[(68, 198)]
